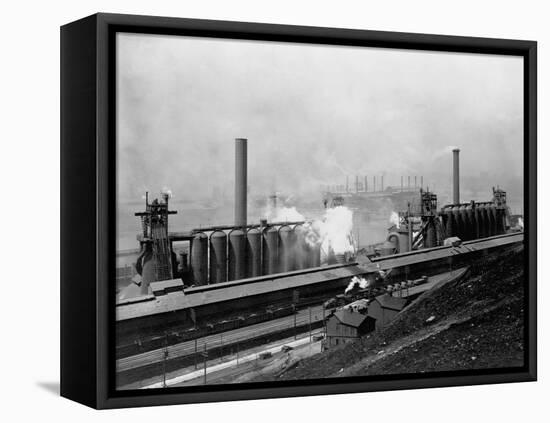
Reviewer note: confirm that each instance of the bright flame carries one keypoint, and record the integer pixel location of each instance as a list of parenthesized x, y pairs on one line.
[(362, 283)]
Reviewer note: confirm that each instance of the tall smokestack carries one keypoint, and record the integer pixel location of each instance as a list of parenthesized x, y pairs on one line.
[(382, 183), (366, 184), (456, 176), (240, 181), (356, 183), (374, 183), (422, 182)]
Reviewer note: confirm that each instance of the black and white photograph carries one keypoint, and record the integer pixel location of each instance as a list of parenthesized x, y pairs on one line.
[(292, 211)]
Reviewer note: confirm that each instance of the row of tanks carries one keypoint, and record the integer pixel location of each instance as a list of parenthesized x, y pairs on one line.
[(473, 220), (423, 226), (252, 251)]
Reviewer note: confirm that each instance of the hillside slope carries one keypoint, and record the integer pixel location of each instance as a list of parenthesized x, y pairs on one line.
[(472, 323)]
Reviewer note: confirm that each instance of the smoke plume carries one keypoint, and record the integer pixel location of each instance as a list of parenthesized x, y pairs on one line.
[(357, 282), (333, 231)]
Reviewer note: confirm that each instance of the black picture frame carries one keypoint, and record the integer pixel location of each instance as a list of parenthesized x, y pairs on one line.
[(88, 198)]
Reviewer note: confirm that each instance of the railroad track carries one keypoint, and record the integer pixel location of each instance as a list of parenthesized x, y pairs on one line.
[(219, 340)]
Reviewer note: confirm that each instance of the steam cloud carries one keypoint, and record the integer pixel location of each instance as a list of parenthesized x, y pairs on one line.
[(361, 283), (394, 219), (333, 231)]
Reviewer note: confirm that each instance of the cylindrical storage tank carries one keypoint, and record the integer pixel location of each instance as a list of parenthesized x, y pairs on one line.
[(466, 227), (488, 221), (302, 248), (493, 216), (314, 255), (287, 244), (474, 219), (254, 253), (237, 255), (430, 240), (482, 216), (199, 259), (449, 223), (218, 257), (271, 253), (457, 222), (303, 252), (501, 225)]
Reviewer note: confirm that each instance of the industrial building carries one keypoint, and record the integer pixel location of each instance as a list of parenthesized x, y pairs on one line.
[(218, 254), (384, 308), (346, 326), (424, 226)]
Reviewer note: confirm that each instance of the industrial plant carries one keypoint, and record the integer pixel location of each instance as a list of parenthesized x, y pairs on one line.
[(201, 302)]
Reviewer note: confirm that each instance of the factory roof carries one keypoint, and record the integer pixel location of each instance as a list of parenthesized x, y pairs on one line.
[(350, 318), (393, 303), (227, 291), (429, 254)]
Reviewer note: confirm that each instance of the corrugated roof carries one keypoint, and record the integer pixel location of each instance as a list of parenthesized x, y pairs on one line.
[(393, 303), (428, 254), (200, 296), (227, 291)]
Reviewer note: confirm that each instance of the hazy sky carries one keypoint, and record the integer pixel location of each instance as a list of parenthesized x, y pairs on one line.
[(312, 114)]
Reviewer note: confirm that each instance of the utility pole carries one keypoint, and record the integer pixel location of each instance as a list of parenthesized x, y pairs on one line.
[(324, 324), (195, 353), (221, 347), (165, 357), (205, 355), (309, 309), (294, 310)]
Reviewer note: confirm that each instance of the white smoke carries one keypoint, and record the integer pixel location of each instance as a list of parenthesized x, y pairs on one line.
[(394, 219), (362, 283), (333, 231), (520, 222), (336, 228), (443, 152), (167, 191)]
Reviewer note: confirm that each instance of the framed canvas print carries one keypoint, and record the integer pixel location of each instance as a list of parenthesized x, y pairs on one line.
[(256, 211)]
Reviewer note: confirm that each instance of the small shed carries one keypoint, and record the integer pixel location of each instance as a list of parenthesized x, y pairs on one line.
[(345, 326), (384, 308)]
